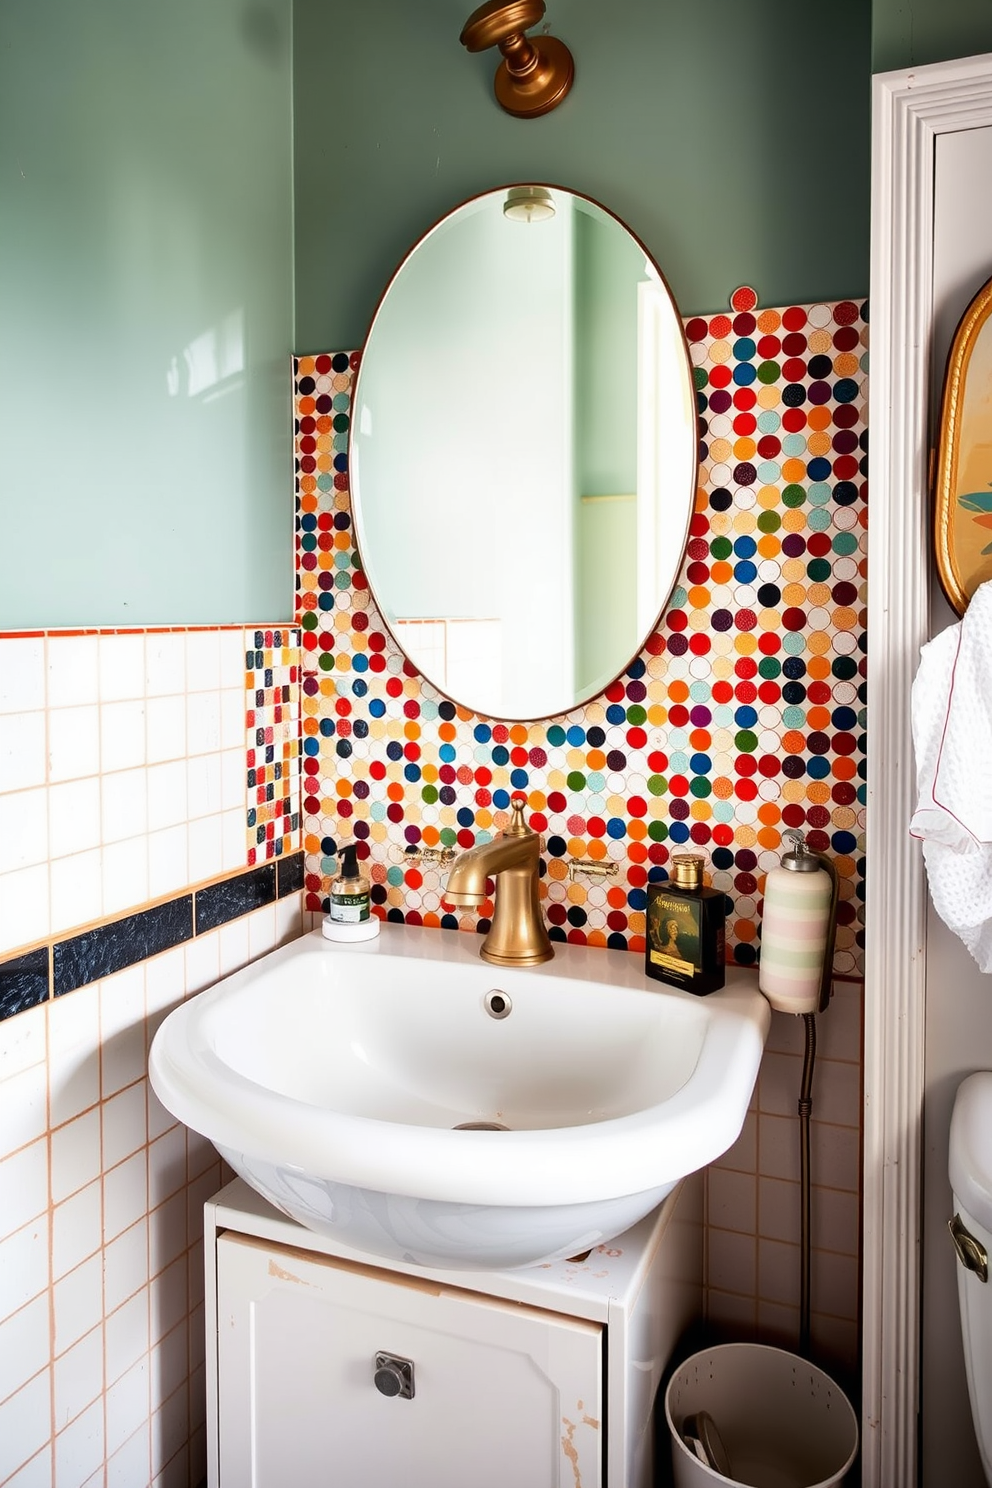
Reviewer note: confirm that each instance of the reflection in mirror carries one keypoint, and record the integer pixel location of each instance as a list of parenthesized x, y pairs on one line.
[(523, 452)]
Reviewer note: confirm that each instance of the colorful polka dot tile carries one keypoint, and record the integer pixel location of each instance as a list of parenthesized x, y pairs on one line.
[(272, 722), (742, 717)]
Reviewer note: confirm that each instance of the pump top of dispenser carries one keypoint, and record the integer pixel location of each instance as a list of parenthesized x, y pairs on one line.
[(349, 862), (800, 859), (687, 871)]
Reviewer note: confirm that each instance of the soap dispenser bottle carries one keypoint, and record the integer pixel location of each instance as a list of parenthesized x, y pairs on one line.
[(350, 914), (797, 927)]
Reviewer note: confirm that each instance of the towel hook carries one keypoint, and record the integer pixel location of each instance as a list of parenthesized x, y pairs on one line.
[(533, 77)]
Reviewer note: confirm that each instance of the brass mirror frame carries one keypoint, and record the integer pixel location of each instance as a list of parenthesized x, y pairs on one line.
[(691, 503), (959, 579)]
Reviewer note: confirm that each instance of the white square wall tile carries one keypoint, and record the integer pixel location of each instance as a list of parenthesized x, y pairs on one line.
[(165, 662), (125, 1267), (202, 660), (168, 860), (22, 750), (124, 804), (23, 1108), (165, 979), (23, 1186), (74, 1059), (77, 889), (74, 816), (76, 1154), (22, 674), (73, 670), (203, 723), (127, 1335), (23, 1041), (124, 1124), (165, 728), (203, 785), (125, 1195), (128, 1409), (233, 646), (23, 828), (24, 1345), (24, 906), (78, 1377), (167, 794), (122, 735), (206, 856), (77, 1229), (23, 1266), (73, 743), (261, 931), (232, 717), (25, 1423), (233, 779), (122, 667), (234, 839), (122, 1029), (202, 962), (125, 875), (166, 1166), (79, 1449), (130, 1464)]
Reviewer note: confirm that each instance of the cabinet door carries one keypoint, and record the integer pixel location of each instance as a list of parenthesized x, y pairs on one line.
[(503, 1394)]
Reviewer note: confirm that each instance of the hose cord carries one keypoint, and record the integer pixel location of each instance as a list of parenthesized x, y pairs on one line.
[(805, 1110)]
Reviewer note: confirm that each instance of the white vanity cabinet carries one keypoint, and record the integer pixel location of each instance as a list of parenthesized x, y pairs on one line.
[(332, 1369)]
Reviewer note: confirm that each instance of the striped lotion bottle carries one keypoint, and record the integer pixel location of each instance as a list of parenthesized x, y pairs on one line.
[(794, 927)]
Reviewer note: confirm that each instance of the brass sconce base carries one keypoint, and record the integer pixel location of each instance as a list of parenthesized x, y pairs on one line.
[(533, 78)]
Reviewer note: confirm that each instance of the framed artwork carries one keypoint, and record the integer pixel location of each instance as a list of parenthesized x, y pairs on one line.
[(963, 477)]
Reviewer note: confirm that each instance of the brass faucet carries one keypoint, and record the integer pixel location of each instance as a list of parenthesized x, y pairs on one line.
[(517, 936)]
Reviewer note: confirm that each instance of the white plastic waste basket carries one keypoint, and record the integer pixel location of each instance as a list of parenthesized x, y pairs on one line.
[(782, 1422)]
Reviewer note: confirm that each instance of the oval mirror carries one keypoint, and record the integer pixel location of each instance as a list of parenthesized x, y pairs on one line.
[(523, 452)]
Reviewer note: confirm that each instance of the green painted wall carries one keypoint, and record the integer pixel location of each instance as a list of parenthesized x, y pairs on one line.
[(910, 33), (146, 308), (731, 135)]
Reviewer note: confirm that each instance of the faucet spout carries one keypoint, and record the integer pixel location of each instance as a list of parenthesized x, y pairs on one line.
[(517, 936)]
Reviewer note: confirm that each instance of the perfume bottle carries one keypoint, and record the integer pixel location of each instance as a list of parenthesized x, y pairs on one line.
[(685, 929)]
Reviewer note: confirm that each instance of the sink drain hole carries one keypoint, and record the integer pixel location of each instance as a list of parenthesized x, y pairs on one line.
[(497, 1004), (480, 1126)]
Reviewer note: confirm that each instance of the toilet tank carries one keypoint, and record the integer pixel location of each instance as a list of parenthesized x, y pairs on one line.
[(970, 1172)]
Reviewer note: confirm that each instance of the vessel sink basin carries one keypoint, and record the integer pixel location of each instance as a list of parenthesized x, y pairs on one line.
[(356, 1087)]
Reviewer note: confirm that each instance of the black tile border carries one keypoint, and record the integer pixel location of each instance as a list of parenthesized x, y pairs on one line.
[(23, 982), (98, 953), (220, 902), (77, 960)]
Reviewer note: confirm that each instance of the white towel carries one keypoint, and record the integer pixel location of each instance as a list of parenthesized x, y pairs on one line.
[(952, 734)]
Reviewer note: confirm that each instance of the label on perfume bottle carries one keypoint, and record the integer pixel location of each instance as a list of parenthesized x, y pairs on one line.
[(685, 937), (349, 909), (674, 937)]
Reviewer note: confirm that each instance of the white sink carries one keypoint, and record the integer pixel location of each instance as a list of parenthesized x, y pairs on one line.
[(332, 1078)]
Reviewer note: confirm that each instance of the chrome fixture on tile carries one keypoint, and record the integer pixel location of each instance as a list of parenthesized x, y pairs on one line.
[(518, 936), (592, 868), (533, 77)]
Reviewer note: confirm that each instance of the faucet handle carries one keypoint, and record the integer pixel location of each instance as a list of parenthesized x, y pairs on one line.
[(518, 827)]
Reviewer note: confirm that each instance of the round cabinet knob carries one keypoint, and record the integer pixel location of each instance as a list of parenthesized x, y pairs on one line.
[(388, 1380), (393, 1376)]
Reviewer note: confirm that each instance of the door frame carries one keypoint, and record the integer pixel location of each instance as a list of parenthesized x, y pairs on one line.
[(910, 110)]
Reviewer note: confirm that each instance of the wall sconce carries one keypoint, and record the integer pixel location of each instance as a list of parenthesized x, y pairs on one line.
[(533, 78)]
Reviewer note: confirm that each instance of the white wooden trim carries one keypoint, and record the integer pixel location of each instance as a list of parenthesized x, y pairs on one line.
[(910, 110)]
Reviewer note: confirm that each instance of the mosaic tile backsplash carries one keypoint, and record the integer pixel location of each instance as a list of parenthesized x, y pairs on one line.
[(742, 717)]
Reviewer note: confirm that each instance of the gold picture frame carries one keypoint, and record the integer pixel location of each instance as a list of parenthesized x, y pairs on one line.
[(963, 472)]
